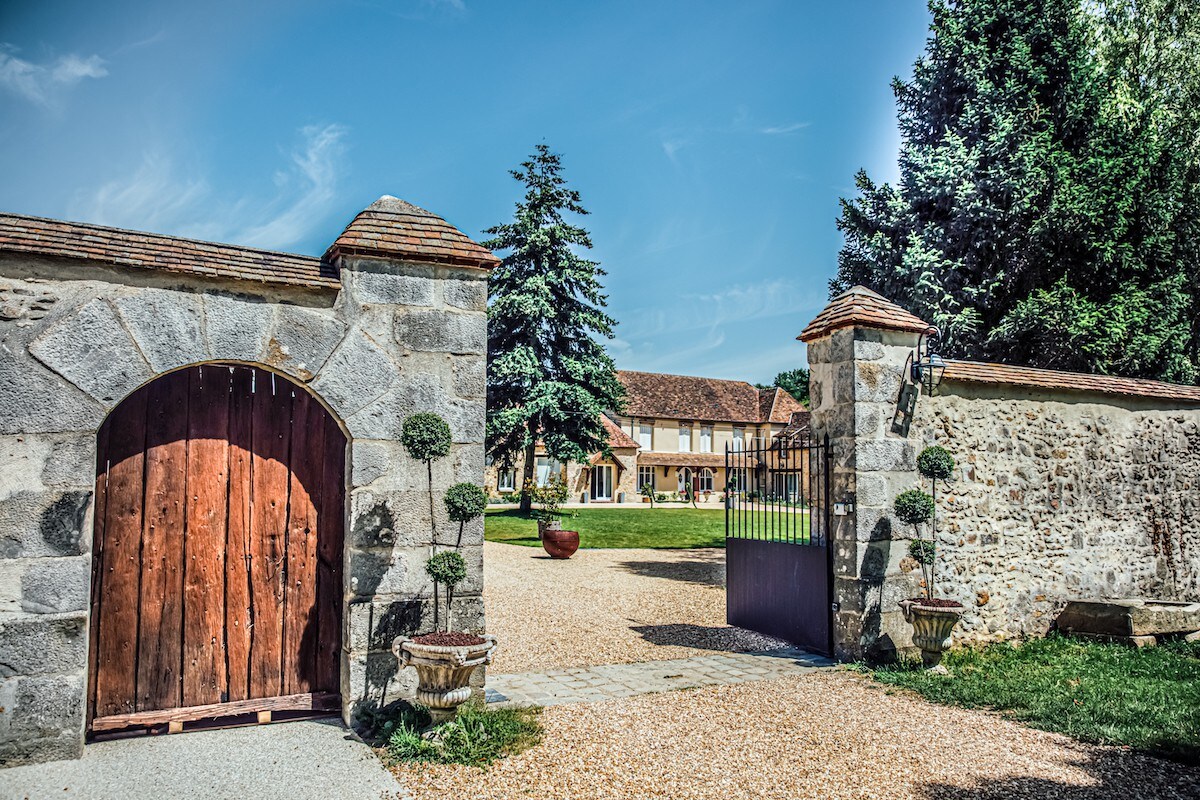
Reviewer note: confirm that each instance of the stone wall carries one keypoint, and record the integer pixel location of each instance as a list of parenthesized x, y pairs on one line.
[(1060, 493), (77, 337), (1061, 496)]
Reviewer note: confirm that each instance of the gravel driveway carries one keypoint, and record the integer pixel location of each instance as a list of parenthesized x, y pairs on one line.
[(823, 735), (607, 607)]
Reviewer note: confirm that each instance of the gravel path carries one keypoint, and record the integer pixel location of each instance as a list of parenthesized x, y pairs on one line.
[(823, 735), (607, 607)]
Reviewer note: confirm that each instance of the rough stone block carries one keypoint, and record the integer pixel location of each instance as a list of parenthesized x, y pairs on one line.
[(35, 400), (373, 624), (72, 461), (167, 326), (887, 455), (40, 644), (877, 382), (11, 570), (374, 680), (46, 707), (36, 751), (391, 519), (93, 350), (53, 585), (357, 373), (470, 295), (442, 332), (22, 459), (470, 377), (388, 287), (384, 418), (236, 327), (45, 524), (301, 341)]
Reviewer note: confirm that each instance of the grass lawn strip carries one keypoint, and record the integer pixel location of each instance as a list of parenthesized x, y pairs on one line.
[(604, 528), (1146, 698)]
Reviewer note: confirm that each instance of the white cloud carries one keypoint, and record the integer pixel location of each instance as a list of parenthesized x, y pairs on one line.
[(43, 84), (156, 198), (671, 147), (775, 130)]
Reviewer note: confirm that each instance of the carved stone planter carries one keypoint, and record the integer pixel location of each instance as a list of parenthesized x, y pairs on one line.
[(554, 524), (932, 626), (443, 673)]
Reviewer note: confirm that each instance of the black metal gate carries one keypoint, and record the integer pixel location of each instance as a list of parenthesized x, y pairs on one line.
[(777, 560)]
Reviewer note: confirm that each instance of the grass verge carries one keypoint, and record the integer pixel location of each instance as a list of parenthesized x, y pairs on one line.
[(1145, 698), (476, 737)]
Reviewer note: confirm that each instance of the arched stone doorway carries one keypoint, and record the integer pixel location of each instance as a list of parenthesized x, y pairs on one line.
[(217, 555)]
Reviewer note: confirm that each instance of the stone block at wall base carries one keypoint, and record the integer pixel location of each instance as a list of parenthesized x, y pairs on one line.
[(36, 751)]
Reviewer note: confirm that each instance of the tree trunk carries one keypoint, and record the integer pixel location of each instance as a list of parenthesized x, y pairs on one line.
[(526, 500)]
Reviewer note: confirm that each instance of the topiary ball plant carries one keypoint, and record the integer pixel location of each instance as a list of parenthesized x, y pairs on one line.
[(426, 437), (914, 507), (449, 569), (464, 502), (936, 463)]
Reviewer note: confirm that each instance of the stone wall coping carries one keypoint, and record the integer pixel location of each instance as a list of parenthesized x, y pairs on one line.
[(140, 250), (1012, 375), (861, 307)]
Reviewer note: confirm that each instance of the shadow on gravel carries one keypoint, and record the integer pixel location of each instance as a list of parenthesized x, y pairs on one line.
[(704, 572), (1115, 774), (700, 637)]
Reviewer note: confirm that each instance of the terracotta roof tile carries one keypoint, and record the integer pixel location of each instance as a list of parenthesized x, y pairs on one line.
[(617, 438), (393, 228), (861, 307), (683, 459), (654, 395), (976, 372), (78, 240)]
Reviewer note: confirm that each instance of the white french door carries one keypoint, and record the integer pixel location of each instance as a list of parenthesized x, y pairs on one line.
[(602, 482)]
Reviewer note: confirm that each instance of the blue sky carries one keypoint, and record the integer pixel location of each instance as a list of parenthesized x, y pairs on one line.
[(711, 141)]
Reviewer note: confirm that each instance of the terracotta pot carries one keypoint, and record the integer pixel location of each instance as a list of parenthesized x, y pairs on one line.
[(932, 626), (443, 673), (560, 543)]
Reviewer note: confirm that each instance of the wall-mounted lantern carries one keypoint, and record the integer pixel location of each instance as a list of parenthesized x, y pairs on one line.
[(927, 366)]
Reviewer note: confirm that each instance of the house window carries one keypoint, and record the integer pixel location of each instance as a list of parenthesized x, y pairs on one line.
[(706, 438), (646, 436), (547, 468), (704, 481), (739, 439), (685, 438), (736, 481), (507, 480), (645, 477)]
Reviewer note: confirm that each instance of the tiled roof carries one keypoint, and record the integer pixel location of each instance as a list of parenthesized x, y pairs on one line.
[(78, 240), (1007, 374), (681, 459), (617, 438), (798, 427), (861, 307), (654, 395), (393, 228)]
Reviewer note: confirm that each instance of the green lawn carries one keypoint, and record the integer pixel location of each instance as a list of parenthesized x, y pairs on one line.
[(1104, 693), (671, 528)]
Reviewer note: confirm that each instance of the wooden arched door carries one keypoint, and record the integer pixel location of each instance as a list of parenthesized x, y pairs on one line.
[(217, 558)]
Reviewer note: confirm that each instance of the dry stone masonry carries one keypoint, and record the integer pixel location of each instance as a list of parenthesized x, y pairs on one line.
[(1067, 487), (390, 322)]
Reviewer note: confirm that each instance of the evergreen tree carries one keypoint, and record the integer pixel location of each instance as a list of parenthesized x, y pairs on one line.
[(549, 376), (1046, 210)]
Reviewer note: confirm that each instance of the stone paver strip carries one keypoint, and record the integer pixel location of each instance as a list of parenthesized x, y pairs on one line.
[(612, 681)]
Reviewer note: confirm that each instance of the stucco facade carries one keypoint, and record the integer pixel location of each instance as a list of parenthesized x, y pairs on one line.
[(373, 336)]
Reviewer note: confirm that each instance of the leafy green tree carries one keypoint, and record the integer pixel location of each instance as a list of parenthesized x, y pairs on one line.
[(793, 381), (549, 375), (1046, 212)]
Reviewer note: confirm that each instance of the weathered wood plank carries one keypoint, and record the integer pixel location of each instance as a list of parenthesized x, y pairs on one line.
[(116, 678), (98, 517), (160, 606), (237, 539), (316, 701), (300, 593), (330, 523), (204, 680), (268, 530)]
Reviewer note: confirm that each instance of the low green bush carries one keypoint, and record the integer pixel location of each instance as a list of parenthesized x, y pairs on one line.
[(476, 737)]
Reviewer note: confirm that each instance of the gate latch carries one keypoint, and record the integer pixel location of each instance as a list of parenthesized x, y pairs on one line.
[(837, 606)]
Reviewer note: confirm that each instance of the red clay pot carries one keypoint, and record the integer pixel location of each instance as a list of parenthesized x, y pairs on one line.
[(560, 544)]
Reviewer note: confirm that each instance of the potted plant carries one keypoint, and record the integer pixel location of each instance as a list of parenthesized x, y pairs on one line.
[(444, 659), (932, 618), (555, 541), (647, 493)]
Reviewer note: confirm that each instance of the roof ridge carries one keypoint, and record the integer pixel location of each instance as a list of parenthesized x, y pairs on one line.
[(693, 377)]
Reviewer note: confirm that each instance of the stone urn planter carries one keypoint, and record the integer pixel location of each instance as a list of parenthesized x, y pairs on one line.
[(552, 524), (444, 663), (933, 621), (559, 543)]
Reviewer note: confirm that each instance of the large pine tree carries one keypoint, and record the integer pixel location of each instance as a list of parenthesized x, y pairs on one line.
[(549, 375), (1046, 212)]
